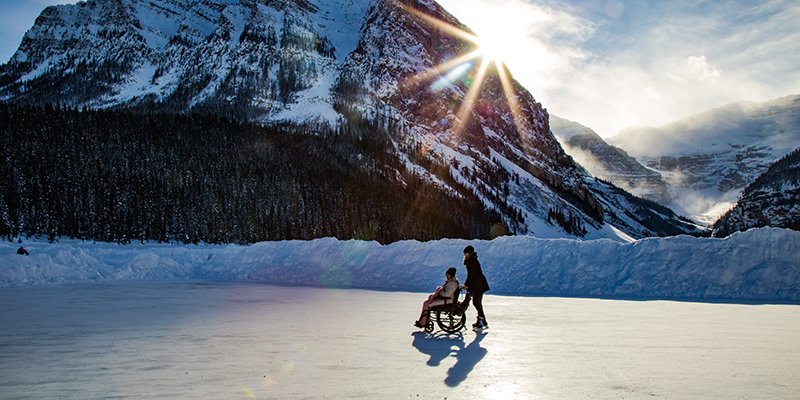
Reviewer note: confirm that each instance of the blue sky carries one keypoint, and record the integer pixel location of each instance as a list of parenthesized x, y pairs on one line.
[(610, 64), (16, 17)]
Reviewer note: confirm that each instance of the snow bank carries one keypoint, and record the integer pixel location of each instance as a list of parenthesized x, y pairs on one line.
[(760, 264)]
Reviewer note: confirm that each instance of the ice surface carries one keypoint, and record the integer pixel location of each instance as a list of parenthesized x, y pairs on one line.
[(200, 340)]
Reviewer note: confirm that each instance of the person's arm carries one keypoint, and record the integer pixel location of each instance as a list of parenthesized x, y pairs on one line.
[(449, 290)]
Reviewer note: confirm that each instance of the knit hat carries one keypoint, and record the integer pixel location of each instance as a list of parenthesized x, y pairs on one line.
[(451, 271), (469, 250)]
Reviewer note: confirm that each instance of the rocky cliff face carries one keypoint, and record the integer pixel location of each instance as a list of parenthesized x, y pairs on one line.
[(771, 200), (250, 59), (453, 119)]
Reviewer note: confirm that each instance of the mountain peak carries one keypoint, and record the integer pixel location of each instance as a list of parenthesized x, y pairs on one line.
[(407, 67)]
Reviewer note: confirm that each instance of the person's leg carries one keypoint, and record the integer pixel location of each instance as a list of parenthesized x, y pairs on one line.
[(423, 316), (426, 307), (477, 299)]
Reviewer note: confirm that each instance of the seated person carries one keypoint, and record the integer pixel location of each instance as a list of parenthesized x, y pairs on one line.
[(444, 294)]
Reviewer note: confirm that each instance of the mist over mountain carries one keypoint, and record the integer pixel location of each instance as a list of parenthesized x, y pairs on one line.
[(608, 162), (698, 165), (712, 156), (363, 78)]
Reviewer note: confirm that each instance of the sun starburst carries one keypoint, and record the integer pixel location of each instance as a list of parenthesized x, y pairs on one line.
[(489, 51)]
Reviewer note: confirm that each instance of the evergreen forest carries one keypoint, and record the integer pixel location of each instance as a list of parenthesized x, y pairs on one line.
[(124, 176)]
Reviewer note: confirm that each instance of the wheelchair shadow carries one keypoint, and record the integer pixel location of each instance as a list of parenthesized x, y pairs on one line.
[(440, 346)]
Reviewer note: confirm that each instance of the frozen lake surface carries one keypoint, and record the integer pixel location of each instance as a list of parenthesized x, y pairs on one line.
[(168, 340)]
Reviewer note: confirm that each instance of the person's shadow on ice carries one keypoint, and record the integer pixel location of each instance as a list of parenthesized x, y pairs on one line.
[(441, 346), (437, 346)]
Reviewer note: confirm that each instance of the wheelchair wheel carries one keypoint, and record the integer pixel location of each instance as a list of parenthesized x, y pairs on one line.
[(451, 318), (429, 324)]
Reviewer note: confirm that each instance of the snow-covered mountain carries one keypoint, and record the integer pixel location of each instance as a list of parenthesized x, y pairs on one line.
[(699, 165), (255, 59), (450, 119), (709, 158), (772, 200)]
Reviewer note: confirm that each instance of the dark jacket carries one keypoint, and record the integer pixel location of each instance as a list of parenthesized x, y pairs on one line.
[(476, 281)]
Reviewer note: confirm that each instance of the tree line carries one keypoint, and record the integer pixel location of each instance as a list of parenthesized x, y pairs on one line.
[(122, 176)]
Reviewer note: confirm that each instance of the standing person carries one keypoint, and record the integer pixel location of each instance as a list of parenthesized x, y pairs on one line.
[(476, 284)]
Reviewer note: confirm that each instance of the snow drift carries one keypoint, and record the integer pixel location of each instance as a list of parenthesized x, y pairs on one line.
[(761, 264)]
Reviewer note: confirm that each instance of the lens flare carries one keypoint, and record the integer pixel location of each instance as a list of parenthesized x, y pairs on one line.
[(474, 88), (295, 354), (451, 77), (615, 8), (355, 252), (250, 392), (336, 276)]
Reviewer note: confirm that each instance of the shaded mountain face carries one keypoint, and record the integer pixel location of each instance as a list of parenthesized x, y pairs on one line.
[(771, 200), (608, 162), (459, 123)]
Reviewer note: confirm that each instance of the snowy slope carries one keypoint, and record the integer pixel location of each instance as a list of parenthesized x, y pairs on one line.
[(258, 60), (761, 264)]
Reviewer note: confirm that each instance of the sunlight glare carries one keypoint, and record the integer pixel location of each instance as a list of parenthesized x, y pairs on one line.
[(500, 41), (496, 47), (517, 33)]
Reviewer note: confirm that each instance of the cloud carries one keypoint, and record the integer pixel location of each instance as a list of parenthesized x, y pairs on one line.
[(698, 68), (649, 63)]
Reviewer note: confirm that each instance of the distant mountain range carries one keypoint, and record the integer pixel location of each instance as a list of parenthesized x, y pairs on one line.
[(699, 165), (387, 76)]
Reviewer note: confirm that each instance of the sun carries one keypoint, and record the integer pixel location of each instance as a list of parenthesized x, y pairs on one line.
[(494, 47)]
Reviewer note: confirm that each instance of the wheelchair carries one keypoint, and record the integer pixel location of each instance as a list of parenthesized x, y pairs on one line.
[(451, 316)]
